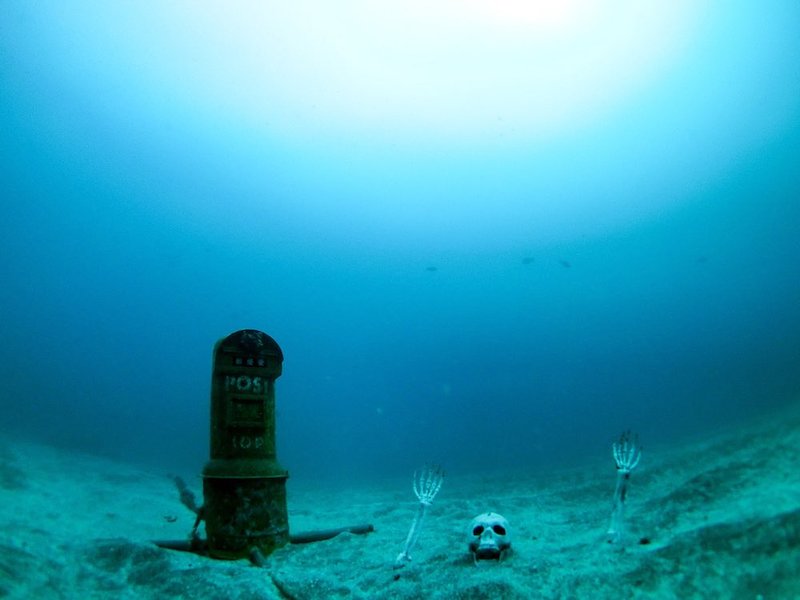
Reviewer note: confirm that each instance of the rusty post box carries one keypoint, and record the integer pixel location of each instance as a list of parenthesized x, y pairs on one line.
[(244, 487)]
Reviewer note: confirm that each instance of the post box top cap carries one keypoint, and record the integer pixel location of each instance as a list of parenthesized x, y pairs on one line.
[(251, 342)]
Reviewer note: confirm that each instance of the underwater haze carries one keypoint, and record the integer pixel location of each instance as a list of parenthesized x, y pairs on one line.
[(489, 234)]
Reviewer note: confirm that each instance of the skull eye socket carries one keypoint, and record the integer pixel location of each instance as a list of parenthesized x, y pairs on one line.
[(478, 530), (499, 529)]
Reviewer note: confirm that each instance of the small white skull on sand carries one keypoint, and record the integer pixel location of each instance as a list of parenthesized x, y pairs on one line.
[(489, 537)]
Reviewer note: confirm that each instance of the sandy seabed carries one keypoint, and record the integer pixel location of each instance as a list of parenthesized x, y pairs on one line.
[(717, 518)]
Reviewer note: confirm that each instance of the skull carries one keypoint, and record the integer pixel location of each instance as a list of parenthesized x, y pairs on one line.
[(489, 536)]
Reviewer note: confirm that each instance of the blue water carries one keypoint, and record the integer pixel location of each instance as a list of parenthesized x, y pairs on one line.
[(453, 273)]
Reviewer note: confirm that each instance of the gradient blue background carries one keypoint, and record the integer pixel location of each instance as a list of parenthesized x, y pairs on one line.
[(492, 235)]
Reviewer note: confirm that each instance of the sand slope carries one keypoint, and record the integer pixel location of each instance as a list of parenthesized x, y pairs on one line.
[(721, 519)]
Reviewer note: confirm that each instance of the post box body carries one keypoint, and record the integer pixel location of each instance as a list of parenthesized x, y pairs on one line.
[(244, 487)]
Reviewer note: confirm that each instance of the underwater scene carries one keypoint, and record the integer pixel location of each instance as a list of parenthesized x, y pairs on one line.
[(475, 299)]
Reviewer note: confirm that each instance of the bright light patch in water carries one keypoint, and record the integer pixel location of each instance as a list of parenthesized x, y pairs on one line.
[(540, 119), (448, 67)]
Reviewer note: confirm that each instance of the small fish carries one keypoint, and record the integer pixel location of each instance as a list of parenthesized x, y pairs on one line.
[(527, 260), (431, 269), (564, 263)]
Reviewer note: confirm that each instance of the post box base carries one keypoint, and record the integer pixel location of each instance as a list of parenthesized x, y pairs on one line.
[(245, 513)]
